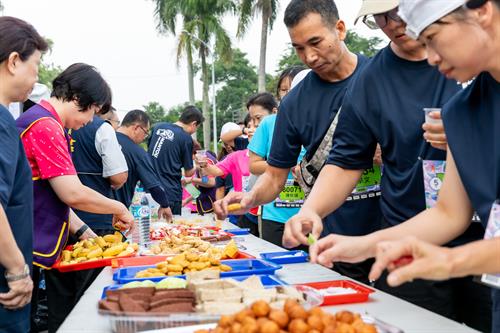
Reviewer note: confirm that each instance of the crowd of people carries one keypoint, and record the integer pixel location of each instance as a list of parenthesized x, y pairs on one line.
[(338, 155)]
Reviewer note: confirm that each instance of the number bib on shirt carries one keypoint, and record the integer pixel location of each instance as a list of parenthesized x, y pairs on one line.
[(492, 231), (433, 180), (292, 196), (368, 185)]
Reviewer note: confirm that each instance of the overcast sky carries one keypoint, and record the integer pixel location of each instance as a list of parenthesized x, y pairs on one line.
[(119, 38)]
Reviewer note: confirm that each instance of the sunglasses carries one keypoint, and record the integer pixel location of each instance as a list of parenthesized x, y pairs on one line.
[(380, 21)]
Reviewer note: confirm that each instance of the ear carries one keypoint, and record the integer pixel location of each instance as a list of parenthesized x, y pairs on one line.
[(341, 30), (485, 14), (275, 110), (12, 62)]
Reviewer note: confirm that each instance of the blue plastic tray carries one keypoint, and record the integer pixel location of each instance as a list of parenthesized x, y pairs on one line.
[(238, 231), (285, 257), (267, 281), (241, 267)]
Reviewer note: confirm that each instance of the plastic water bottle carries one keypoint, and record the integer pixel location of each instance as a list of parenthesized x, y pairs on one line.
[(142, 216)]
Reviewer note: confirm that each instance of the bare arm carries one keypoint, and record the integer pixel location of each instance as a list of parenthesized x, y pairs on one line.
[(76, 195), (190, 172), (118, 180), (76, 223), (212, 170), (258, 164), (476, 258), (199, 182), (229, 137), (10, 257)]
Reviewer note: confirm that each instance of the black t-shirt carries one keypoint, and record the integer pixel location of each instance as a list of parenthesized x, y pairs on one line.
[(171, 149), (304, 116), (472, 125), (385, 105), (140, 168)]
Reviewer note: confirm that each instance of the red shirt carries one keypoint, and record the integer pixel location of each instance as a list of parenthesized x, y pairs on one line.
[(46, 147)]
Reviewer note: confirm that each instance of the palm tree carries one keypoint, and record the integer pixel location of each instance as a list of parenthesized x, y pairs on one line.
[(202, 22), (268, 10), (166, 13)]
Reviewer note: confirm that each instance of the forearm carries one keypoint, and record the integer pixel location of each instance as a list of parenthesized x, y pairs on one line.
[(258, 167), (198, 181), (268, 186), (75, 223), (212, 170), (335, 181), (10, 257), (91, 201), (480, 257), (229, 137)]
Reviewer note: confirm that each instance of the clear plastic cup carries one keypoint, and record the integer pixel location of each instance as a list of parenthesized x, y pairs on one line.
[(201, 157), (430, 120)]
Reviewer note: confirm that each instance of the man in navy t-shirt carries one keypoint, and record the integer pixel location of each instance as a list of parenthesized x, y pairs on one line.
[(385, 105), (305, 115), (134, 130), (171, 148)]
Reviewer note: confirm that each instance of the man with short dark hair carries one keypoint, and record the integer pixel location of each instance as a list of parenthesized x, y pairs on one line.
[(134, 130), (305, 117), (171, 148)]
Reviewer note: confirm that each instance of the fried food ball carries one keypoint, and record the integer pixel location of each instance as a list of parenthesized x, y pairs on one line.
[(298, 326), (260, 308), (279, 317), (315, 322), (345, 328), (289, 303), (225, 321), (269, 327), (236, 328), (249, 321), (297, 312), (345, 317), (316, 311), (240, 316), (250, 328)]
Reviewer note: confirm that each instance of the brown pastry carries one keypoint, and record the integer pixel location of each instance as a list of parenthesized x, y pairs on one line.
[(109, 306), (174, 308)]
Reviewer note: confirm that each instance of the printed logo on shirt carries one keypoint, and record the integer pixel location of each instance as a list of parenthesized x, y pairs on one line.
[(164, 134)]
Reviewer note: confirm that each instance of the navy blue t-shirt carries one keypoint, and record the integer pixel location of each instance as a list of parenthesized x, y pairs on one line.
[(16, 198), (171, 149), (472, 125), (385, 106), (240, 143), (304, 116), (140, 168)]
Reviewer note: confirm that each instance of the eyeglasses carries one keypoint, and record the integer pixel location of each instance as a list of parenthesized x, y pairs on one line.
[(146, 132), (380, 21)]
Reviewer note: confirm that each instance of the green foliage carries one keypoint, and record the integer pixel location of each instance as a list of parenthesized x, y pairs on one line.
[(155, 111), (288, 58), (236, 82), (362, 45), (47, 72)]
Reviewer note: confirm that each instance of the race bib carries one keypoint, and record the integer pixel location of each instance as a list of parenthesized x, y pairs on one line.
[(245, 183), (292, 196), (492, 231), (433, 180), (368, 185)]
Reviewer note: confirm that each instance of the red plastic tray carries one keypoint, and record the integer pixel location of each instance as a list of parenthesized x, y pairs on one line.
[(152, 260), (361, 295)]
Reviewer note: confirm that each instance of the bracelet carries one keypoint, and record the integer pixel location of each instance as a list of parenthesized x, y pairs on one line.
[(23, 275), (243, 131), (80, 231)]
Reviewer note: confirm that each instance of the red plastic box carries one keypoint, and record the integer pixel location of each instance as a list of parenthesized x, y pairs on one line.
[(361, 295)]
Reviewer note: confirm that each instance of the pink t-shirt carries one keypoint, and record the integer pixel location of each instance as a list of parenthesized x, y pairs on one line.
[(238, 165), (46, 147)]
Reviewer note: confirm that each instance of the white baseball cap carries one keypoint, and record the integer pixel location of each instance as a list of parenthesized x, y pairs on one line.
[(230, 126), (419, 14), (372, 7), (40, 91)]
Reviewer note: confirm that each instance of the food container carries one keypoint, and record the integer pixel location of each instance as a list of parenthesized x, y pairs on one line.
[(182, 322), (286, 257), (86, 264), (360, 292), (240, 267)]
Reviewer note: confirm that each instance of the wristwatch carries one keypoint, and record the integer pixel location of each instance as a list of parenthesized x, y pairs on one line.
[(80, 231), (17, 277)]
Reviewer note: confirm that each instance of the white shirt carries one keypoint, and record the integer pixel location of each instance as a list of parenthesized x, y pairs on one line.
[(106, 144)]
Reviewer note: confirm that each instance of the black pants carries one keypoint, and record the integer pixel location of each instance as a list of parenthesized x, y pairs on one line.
[(65, 289), (176, 207), (461, 299), (245, 222), (272, 232)]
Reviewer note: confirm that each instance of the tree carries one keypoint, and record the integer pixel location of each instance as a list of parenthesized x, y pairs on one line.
[(166, 14), (268, 10), (362, 45), (155, 111), (202, 22), (236, 80), (47, 72)]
